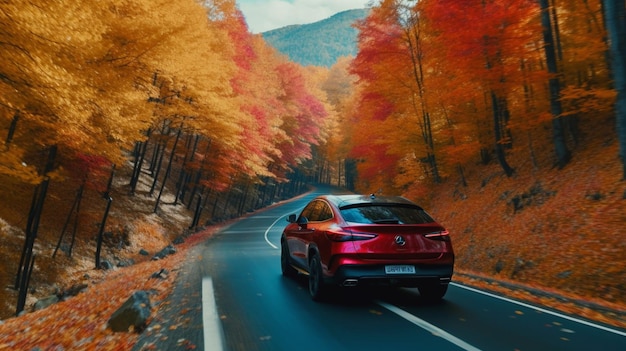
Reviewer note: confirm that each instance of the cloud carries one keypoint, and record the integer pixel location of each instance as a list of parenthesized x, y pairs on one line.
[(263, 15)]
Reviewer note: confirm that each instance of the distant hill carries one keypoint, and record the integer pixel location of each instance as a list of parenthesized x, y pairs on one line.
[(319, 43)]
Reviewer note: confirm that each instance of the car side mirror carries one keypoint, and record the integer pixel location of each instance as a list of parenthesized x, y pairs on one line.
[(302, 222), (291, 218)]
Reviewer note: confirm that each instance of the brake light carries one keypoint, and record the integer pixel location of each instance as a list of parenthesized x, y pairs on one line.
[(442, 235), (341, 235), (363, 236)]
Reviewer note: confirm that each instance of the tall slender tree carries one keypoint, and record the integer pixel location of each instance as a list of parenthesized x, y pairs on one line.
[(615, 15), (558, 128)]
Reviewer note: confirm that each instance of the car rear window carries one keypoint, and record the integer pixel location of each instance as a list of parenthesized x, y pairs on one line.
[(385, 214)]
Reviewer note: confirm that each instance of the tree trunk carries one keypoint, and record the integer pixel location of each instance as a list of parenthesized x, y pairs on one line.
[(12, 128), (109, 199), (74, 211), (31, 216), (461, 174), (615, 15), (499, 111), (197, 212), (558, 129), (100, 237), (199, 172), (140, 157), (32, 227), (160, 151), (169, 168), (185, 175), (414, 44)]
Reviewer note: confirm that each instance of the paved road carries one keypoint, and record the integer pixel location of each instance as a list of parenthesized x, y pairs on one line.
[(258, 309)]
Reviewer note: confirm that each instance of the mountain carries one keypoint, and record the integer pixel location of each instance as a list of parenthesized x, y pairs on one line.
[(319, 43)]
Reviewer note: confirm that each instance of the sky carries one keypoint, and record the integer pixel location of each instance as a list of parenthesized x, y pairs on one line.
[(264, 15)]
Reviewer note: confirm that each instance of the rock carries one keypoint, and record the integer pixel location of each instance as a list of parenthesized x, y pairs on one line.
[(499, 266), (162, 274), (168, 250), (564, 274), (106, 265), (74, 290), (46, 302), (133, 313), (125, 263)]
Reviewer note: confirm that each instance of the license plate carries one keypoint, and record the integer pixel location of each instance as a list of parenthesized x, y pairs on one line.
[(400, 269)]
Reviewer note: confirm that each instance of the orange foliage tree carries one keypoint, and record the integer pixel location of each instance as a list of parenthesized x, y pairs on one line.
[(462, 78), (496, 36), (386, 124)]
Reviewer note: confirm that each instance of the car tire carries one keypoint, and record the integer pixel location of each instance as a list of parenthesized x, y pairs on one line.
[(433, 292), (285, 263), (317, 288)]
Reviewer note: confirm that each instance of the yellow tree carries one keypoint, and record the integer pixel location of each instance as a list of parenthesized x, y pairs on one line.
[(325, 166), (79, 77), (47, 93), (49, 89), (339, 87), (186, 63)]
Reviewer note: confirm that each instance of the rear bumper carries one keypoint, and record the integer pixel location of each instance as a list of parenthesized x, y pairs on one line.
[(374, 275)]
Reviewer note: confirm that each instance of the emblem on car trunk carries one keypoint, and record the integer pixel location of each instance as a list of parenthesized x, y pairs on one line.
[(400, 240)]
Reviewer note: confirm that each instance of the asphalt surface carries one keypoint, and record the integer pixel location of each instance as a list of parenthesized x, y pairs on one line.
[(258, 309)]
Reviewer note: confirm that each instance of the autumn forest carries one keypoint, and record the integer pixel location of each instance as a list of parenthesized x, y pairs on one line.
[(506, 119)]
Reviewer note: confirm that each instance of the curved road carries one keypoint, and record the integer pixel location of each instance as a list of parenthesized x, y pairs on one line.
[(247, 305)]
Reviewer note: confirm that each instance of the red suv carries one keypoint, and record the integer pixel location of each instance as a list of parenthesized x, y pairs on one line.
[(356, 240)]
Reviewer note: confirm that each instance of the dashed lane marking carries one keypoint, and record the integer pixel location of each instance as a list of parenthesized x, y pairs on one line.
[(213, 334), (428, 327)]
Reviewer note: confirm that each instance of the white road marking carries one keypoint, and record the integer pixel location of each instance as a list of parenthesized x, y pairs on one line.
[(436, 331), (601, 327), (268, 230), (272, 225), (213, 334)]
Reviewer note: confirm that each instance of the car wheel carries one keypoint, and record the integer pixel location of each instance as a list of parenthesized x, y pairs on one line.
[(317, 289), (285, 264), (433, 292)]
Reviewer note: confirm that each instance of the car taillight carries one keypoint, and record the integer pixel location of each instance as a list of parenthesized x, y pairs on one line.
[(363, 236), (341, 235), (442, 235)]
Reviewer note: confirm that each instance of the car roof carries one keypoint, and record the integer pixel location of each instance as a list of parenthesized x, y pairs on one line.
[(350, 200)]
